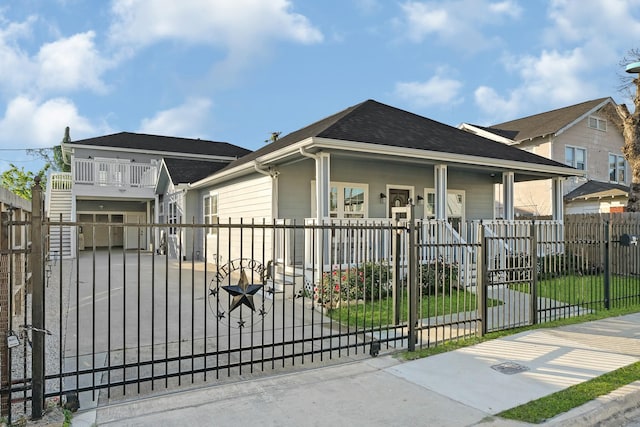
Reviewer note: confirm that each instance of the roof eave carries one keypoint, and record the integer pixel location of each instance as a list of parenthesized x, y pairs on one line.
[(249, 167), (437, 156), (485, 133), (158, 152), (387, 150), (583, 116)]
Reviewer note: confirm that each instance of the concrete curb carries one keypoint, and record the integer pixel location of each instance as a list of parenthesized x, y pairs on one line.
[(610, 409)]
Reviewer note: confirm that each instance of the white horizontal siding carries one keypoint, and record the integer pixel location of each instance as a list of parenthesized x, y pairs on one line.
[(250, 199)]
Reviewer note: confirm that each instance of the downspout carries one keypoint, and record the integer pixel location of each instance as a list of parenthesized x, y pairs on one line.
[(315, 157), (273, 174), (322, 237)]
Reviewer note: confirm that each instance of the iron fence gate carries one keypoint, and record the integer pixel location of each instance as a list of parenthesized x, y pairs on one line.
[(194, 304)]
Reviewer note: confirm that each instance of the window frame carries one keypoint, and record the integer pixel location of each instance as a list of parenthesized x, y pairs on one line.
[(619, 158), (600, 124), (450, 191), (211, 217), (172, 216), (574, 162), (339, 211)]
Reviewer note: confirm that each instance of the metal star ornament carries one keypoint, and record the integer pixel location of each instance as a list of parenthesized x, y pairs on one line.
[(242, 293)]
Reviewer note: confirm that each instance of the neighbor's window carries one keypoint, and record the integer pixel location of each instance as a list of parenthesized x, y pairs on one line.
[(210, 203), (575, 157), (617, 169), (596, 123)]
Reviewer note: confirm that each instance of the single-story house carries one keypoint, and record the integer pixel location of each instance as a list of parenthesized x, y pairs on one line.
[(360, 163)]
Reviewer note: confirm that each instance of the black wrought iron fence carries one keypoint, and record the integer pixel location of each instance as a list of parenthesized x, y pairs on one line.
[(151, 307)]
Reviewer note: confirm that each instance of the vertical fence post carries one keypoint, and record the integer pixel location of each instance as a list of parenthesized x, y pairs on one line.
[(533, 304), (481, 282), (412, 281), (607, 266), (397, 281), (5, 294), (37, 304)]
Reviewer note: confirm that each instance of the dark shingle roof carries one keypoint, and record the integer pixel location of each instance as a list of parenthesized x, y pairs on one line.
[(592, 189), (170, 144), (376, 123), (542, 124), (185, 171)]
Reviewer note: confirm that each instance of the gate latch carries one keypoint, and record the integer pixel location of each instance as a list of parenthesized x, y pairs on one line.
[(34, 329)]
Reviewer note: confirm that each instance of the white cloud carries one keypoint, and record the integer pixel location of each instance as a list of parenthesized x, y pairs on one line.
[(241, 24), (30, 123), (16, 70), (244, 29), (551, 79), (605, 29), (71, 63), (507, 8), (368, 6), (185, 120), (610, 20), (456, 23), (65, 64), (584, 39), (435, 91)]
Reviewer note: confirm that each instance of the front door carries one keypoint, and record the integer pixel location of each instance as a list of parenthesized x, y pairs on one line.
[(398, 198)]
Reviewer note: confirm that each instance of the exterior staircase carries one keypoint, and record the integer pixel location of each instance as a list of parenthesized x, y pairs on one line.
[(58, 201)]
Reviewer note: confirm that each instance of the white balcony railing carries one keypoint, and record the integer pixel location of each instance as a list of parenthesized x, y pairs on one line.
[(114, 173), (60, 181)]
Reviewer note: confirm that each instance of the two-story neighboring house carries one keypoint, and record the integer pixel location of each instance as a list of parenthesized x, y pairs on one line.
[(586, 136), (114, 180)]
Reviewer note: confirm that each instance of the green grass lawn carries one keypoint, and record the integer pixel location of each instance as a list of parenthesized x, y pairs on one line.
[(587, 290), (380, 311), (547, 407)]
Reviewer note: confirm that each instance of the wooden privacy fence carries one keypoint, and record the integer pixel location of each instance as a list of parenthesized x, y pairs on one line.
[(585, 235)]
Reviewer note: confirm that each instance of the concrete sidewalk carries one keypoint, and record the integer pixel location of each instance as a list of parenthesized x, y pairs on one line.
[(463, 387)]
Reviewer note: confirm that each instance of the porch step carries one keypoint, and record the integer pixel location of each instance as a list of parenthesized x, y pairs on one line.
[(288, 281)]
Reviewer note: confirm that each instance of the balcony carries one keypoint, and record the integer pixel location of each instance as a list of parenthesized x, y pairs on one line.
[(114, 173)]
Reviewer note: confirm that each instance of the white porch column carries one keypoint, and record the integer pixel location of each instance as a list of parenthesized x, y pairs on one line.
[(557, 199), (440, 184), (156, 220), (507, 195), (323, 185)]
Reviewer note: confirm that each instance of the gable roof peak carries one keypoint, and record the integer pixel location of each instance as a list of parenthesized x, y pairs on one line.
[(548, 122)]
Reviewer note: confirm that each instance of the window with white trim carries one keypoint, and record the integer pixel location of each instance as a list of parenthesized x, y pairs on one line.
[(172, 216), (575, 157), (617, 169), (455, 204), (347, 200), (598, 123), (210, 207)]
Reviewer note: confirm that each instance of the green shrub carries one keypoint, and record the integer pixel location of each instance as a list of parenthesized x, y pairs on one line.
[(438, 276), (369, 281)]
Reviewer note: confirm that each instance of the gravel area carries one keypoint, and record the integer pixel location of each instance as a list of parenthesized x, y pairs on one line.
[(21, 355)]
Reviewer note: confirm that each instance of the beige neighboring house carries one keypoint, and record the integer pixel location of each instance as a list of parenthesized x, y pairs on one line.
[(586, 136)]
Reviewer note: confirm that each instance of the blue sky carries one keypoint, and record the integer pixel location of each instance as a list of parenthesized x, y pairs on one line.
[(236, 70)]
